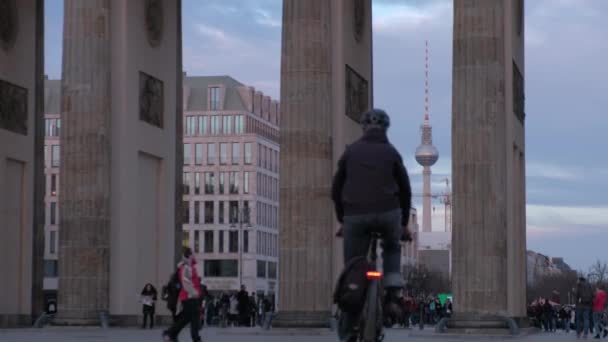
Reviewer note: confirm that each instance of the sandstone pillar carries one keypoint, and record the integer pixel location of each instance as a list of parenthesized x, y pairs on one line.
[(326, 83), (120, 88), (21, 160), (489, 240)]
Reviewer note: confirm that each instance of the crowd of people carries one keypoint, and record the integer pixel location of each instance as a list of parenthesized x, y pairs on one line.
[(237, 309), (430, 308), (588, 315)]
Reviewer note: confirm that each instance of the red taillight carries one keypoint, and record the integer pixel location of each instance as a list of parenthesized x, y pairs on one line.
[(374, 275)]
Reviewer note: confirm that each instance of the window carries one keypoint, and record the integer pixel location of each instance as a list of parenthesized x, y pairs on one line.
[(234, 182), (190, 126), (259, 155), (55, 156), (261, 269), (210, 154), (202, 125), (276, 161), (272, 270), (233, 241), (258, 185), (186, 183), (52, 242), (239, 124), (233, 211), (271, 161), (215, 125), (185, 238), (236, 153), (197, 183), (186, 212), (52, 127), (245, 182), (209, 212), (221, 242), (223, 153), (197, 242), (246, 241), (198, 155), (246, 212), (53, 185), (258, 243), (197, 212), (214, 98), (221, 268), (209, 182), (47, 157), (53, 213), (258, 207), (222, 182), (209, 241), (50, 268), (187, 154), (248, 153), (264, 154), (227, 126), (221, 212)]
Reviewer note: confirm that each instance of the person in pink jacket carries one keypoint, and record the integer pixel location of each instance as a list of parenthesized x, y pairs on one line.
[(189, 297), (599, 303)]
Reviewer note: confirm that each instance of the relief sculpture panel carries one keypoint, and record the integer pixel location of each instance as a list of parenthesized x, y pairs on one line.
[(13, 108), (357, 94), (151, 100)]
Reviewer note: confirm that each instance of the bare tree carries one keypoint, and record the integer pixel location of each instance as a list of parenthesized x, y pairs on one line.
[(598, 273)]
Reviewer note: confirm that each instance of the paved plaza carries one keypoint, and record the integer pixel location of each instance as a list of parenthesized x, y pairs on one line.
[(231, 335)]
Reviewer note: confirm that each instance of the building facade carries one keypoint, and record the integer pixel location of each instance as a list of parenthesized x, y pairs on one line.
[(230, 183)]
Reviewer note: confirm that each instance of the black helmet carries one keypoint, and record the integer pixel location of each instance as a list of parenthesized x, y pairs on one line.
[(375, 118)]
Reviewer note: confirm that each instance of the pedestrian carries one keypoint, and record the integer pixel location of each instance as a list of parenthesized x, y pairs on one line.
[(252, 309), (148, 299), (448, 308), (170, 294), (547, 316), (233, 311), (599, 302), (584, 303), (564, 317), (243, 306), (189, 297)]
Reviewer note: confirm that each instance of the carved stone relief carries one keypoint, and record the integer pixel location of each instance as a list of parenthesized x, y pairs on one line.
[(151, 100), (13, 108), (518, 94), (357, 94), (154, 14), (8, 23)]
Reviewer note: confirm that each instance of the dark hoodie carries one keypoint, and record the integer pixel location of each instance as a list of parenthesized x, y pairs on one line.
[(371, 178)]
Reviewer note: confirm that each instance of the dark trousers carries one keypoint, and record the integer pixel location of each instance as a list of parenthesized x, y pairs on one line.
[(190, 314), (148, 312)]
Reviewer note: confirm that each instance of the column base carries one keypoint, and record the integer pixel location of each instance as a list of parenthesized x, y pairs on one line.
[(473, 324), (123, 321), (302, 319), (15, 321)]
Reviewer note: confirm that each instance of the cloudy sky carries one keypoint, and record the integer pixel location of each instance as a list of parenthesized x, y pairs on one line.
[(566, 96)]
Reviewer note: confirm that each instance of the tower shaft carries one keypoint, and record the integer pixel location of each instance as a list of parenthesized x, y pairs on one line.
[(426, 202)]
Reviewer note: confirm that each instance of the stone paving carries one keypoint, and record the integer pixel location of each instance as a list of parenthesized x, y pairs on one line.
[(230, 335)]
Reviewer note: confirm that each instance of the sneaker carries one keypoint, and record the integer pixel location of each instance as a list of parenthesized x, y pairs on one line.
[(605, 333), (167, 338)]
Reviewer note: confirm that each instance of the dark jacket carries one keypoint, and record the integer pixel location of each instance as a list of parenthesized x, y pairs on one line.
[(371, 178), (584, 295)]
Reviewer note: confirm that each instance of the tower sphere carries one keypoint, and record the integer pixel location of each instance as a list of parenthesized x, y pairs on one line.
[(427, 155)]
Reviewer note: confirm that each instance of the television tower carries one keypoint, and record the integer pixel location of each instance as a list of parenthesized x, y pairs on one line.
[(426, 153)]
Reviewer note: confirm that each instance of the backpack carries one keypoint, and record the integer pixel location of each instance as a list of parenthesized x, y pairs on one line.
[(171, 291), (586, 295), (351, 288)]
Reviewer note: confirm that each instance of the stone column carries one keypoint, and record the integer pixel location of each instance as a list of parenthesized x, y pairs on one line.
[(487, 161), (21, 161), (121, 159), (326, 59), (84, 204)]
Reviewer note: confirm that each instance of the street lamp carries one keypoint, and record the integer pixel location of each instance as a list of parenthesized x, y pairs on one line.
[(242, 217)]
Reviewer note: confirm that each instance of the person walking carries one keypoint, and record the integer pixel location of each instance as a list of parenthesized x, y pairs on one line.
[(148, 299), (233, 311), (189, 297), (599, 303), (371, 193), (584, 303), (243, 306)]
